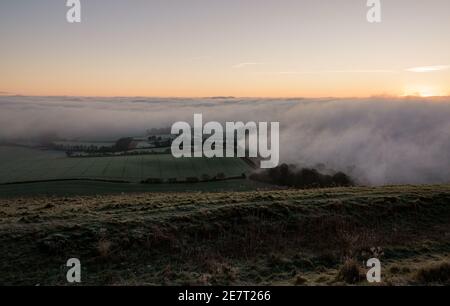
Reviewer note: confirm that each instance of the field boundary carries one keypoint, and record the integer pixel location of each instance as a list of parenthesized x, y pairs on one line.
[(66, 180), (126, 182)]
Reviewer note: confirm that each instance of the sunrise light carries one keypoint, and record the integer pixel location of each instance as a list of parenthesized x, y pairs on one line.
[(424, 91)]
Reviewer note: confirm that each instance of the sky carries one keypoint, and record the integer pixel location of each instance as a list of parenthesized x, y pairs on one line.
[(242, 48)]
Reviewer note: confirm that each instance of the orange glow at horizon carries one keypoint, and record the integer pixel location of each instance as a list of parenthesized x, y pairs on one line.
[(424, 91), (303, 48), (190, 83)]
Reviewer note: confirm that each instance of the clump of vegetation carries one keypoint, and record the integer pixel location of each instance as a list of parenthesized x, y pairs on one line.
[(300, 280), (291, 176), (435, 273), (350, 272)]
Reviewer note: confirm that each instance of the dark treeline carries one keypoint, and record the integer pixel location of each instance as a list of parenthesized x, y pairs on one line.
[(292, 176)]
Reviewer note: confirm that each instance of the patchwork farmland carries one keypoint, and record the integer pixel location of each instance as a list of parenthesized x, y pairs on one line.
[(21, 165)]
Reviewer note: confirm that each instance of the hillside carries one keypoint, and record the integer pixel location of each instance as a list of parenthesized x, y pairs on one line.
[(282, 237)]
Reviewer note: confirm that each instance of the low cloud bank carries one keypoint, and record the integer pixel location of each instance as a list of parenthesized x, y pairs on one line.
[(376, 140)]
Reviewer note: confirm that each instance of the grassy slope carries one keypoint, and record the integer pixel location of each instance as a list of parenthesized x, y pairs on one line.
[(266, 237)]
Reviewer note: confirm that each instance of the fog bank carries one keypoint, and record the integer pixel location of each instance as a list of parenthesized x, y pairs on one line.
[(376, 140)]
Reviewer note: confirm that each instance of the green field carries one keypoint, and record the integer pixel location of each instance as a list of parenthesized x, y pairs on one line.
[(19, 164)]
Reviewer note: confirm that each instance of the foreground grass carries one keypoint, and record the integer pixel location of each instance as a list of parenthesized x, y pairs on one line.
[(282, 237)]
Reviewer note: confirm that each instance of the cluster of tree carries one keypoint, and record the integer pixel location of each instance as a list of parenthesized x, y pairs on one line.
[(291, 176), (123, 144), (204, 178)]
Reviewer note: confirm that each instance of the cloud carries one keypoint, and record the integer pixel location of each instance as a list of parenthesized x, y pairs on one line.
[(377, 140), (428, 68), (337, 71), (243, 65)]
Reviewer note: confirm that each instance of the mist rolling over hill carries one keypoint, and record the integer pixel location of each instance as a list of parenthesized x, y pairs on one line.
[(380, 140)]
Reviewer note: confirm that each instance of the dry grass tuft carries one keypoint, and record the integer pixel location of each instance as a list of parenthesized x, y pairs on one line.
[(434, 273), (300, 280), (350, 272)]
